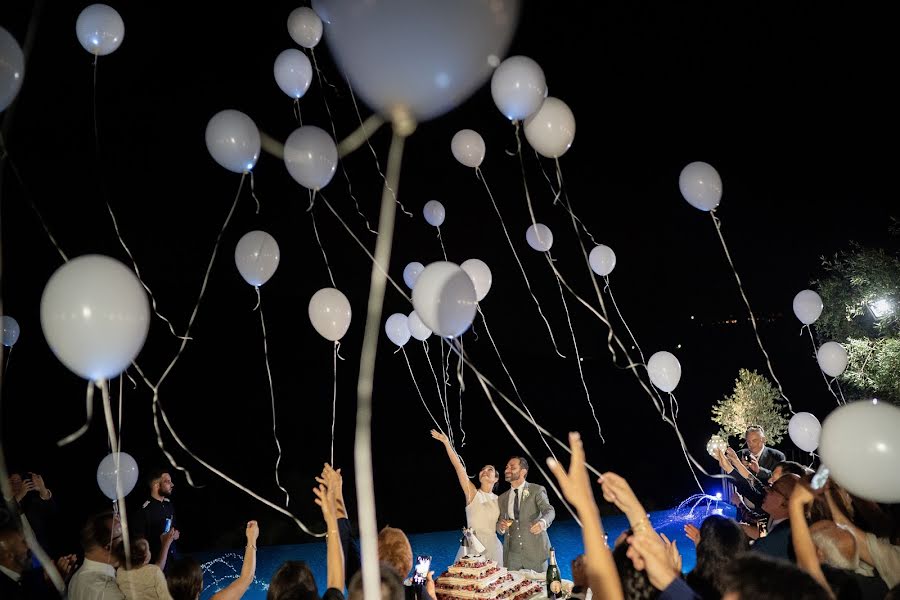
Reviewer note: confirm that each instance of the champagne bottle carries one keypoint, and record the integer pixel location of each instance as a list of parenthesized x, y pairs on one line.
[(554, 581)]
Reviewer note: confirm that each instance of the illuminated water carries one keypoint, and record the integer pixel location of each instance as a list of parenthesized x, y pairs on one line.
[(221, 568)]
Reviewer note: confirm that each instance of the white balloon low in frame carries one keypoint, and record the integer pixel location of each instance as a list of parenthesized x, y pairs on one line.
[(444, 298)]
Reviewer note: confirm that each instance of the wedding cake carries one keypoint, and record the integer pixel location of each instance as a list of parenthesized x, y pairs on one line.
[(476, 578)]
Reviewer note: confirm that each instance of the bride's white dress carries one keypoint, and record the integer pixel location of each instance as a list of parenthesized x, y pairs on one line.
[(481, 516)]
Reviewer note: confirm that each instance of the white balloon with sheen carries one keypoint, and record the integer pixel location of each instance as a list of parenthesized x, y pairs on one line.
[(808, 306), (108, 472), (518, 87), (468, 147), (397, 329), (411, 273), (305, 27), (12, 68), (832, 358), (804, 429), (481, 276), (444, 298), (100, 29), (293, 73), (232, 139), (417, 328), (701, 185), (434, 213), (310, 155), (551, 130), (664, 370), (256, 256), (329, 313), (539, 237), (603, 260)]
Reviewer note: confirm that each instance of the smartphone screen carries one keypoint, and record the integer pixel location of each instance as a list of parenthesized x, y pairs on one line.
[(168, 525), (423, 564)]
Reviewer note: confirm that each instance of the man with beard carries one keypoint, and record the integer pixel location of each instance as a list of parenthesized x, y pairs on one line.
[(101, 539), (17, 579), (157, 515), (525, 515)]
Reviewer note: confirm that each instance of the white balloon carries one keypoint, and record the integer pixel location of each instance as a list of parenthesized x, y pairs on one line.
[(832, 358), (311, 157), (126, 473), (417, 328), (256, 256), (305, 27), (539, 237), (468, 147), (233, 140), (9, 328), (100, 29), (481, 276), (444, 298), (12, 68), (603, 260), (434, 213), (518, 87), (293, 72), (95, 316), (397, 329), (411, 272), (551, 130), (664, 370), (808, 306), (329, 313), (860, 444), (701, 185), (425, 55), (804, 429)]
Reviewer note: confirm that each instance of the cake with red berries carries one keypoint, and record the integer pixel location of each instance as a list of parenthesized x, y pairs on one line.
[(477, 578)]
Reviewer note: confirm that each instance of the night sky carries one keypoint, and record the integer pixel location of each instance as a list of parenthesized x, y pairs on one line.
[(791, 104)]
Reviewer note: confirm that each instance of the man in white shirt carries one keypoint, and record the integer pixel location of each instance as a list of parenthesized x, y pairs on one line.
[(101, 538)]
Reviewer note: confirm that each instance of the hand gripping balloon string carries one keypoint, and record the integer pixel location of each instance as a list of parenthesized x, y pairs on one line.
[(415, 383), (253, 190), (480, 175), (824, 378), (718, 223), (531, 418), (116, 448), (262, 323), (312, 195), (587, 393), (90, 413)]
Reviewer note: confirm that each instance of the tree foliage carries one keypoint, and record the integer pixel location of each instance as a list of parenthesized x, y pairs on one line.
[(754, 401)]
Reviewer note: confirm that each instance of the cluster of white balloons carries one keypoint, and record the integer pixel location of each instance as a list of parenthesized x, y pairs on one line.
[(831, 356), (256, 256), (330, 313), (9, 331), (126, 473), (12, 68)]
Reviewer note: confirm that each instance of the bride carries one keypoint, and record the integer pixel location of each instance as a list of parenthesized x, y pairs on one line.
[(482, 509)]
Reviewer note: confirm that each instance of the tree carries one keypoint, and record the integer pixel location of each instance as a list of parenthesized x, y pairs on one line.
[(754, 401), (855, 280)]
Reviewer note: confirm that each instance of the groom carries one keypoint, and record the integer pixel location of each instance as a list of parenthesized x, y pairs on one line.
[(525, 515)]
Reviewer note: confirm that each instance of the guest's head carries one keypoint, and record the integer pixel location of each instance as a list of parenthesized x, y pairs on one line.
[(140, 553), (516, 470), (835, 546), (635, 584), (395, 551), (721, 539), (101, 537), (184, 579), (160, 482), (14, 552), (775, 502), (488, 477), (788, 466), (755, 438), (391, 585), (579, 572), (293, 579), (751, 576)]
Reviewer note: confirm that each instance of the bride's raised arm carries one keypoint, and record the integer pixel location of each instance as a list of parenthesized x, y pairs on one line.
[(468, 487)]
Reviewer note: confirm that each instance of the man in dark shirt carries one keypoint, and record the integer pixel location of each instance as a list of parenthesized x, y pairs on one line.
[(157, 514)]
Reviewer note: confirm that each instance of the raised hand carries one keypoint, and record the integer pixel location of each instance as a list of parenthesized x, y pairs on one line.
[(575, 485), (732, 455), (650, 553), (40, 486), (674, 554), (617, 491), (753, 465), (440, 437), (333, 481), (252, 533), (325, 500), (692, 533)]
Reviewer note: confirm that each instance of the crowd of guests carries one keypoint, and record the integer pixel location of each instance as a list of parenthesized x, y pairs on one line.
[(816, 543)]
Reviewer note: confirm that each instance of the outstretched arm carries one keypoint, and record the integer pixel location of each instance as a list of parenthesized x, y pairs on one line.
[(804, 548), (467, 486), (237, 588)]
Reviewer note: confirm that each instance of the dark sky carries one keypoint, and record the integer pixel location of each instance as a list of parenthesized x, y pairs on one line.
[(791, 104)]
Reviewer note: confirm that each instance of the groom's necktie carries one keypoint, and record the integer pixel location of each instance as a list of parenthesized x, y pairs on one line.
[(516, 505)]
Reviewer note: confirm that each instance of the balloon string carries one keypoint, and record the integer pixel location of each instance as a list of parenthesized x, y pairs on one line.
[(815, 356), (561, 190), (262, 322), (531, 418), (119, 432), (116, 448), (441, 240), (334, 133), (843, 400), (375, 264), (90, 413), (312, 216), (673, 407), (587, 393), (334, 401), (481, 177), (7, 360), (437, 385), (421, 397), (297, 111), (462, 388), (717, 222), (253, 190)]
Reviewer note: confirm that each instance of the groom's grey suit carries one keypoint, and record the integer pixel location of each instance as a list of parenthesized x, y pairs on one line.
[(521, 548)]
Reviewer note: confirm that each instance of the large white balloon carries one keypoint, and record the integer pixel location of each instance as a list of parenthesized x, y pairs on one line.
[(329, 313), (551, 130), (518, 87), (9, 328), (411, 272), (860, 444), (95, 316), (444, 298), (12, 68), (100, 29), (434, 213), (256, 256), (233, 140), (293, 73), (603, 260), (468, 147), (397, 329), (417, 328), (804, 429), (481, 276), (832, 358), (425, 55), (305, 27), (539, 237), (126, 473), (311, 157), (664, 370), (808, 306), (701, 185)]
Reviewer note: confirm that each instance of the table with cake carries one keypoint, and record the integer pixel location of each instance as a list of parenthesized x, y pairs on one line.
[(479, 578)]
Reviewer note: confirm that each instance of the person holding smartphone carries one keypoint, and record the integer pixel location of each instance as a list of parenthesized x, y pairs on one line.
[(155, 520)]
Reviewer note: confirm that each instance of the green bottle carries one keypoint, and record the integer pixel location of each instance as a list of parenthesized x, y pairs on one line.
[(554, 581)]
